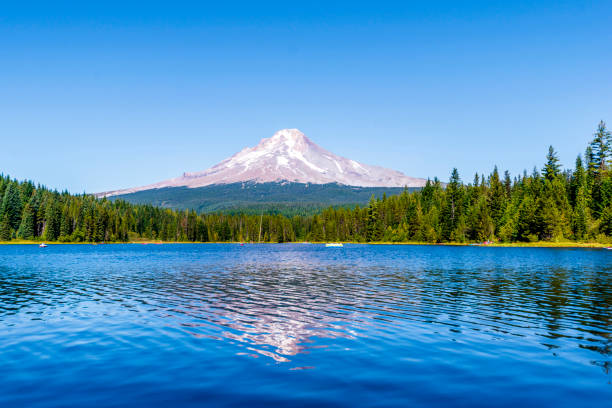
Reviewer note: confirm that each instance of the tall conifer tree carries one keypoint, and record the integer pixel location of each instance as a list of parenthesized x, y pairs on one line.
[(5, 228), (27, 227), (11, 205), (552, 167)]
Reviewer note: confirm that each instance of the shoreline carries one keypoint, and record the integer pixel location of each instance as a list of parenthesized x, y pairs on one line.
[(539, 244)]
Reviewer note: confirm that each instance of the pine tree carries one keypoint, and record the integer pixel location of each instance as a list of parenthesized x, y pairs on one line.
[(52, 221), (554, 211), (35, 203), (374, 224), (527, 223), (65, 224), (454, 206), (5, 228), (508, 232), (605, 187), (496, 198), (427, 194), (552, 167), (600, 147), (591, 171), (606, 221), (27, 190), (27, 228), (481, 226), (580, 216), (507, 183), (11, 205), (578, 180)]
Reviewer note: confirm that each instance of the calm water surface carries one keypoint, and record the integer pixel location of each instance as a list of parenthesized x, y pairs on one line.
[(304, 325)]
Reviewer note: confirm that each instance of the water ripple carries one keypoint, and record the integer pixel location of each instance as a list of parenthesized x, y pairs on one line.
[(383, 317)]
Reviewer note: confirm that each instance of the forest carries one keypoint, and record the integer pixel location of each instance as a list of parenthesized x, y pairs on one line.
[(550, 204), (286, 198)]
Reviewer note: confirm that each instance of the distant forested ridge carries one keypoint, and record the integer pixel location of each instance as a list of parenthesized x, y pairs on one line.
[(286, 198), (550, 204)]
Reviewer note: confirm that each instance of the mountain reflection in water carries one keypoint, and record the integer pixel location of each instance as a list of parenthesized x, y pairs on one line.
[(275, 310)]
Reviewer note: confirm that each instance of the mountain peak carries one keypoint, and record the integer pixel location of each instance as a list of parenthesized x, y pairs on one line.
[(289, 134), (285, 139), (287, 156)]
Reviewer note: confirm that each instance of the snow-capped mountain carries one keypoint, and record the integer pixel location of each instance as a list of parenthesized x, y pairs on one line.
[(286, 156)]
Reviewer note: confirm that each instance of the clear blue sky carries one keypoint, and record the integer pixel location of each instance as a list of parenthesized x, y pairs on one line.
[(102, 97)]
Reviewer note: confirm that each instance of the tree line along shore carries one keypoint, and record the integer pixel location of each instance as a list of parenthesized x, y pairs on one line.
[(550, 206)]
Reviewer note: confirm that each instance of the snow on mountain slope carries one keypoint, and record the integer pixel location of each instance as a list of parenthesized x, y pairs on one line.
[(287, 156)]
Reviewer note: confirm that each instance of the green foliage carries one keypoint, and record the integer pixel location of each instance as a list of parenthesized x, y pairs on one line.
[(287, 199), (374, 222), (552, 167), (5, 228), (600, 149), (27, 227), (606, 221), (11, 204), (453, 208)]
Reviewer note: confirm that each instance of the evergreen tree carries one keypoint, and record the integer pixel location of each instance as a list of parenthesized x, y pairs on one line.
[(553, 211), (580, 216), (11, 205), (52, 221), (600, 148), (606, 221), (551, 168), (27, 189), (591, 170), (65, 225), (605, 190), (481, 226), (5, 228), (27, 228), (374, 224), (578, 180), (496, 198), (507, 183), (527, 222), (453, 208)]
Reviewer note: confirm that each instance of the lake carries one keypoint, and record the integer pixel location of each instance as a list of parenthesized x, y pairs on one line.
[(304, 325)]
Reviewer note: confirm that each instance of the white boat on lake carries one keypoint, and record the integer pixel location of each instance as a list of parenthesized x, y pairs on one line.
[(334, 245)]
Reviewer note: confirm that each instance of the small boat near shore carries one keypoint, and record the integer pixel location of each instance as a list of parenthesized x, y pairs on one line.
[(43, 245), (334, 245)]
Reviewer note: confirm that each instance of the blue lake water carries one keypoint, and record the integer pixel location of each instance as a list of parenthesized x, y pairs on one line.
[(304, 325)]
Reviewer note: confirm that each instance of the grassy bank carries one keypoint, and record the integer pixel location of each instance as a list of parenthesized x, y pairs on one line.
[(540, 244)]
